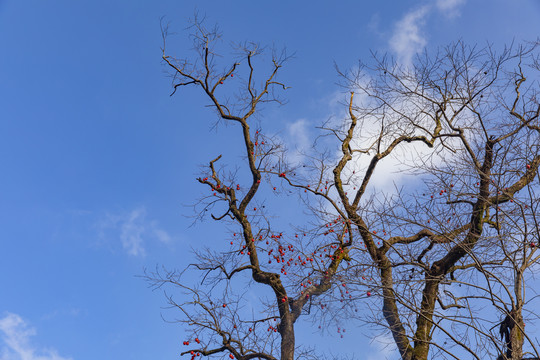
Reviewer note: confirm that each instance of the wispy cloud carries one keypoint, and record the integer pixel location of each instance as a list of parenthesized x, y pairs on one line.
[(449, 8), (16, 334), (133, 229), (72, 312), (409, 37), (297, 133)]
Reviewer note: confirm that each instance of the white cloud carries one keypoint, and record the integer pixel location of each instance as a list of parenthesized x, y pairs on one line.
[(133, 230), (449, 8), (62, 312), (16, 345), (298, 136), (397, 169), (160, 234), (408, 38)]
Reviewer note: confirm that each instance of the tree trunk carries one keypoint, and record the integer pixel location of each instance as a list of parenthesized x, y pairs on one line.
[(510, 330), (286, 329)]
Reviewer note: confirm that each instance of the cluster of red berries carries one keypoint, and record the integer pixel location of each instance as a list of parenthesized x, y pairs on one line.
[(187, 342)]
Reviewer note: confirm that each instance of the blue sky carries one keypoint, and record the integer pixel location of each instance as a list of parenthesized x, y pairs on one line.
[(98, 162)]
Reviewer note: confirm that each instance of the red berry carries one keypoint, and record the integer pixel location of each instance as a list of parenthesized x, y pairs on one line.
[(528, 166), (368, 293)]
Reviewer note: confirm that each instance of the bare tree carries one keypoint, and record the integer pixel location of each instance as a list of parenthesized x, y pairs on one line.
[(462, 126), (471, 109)]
